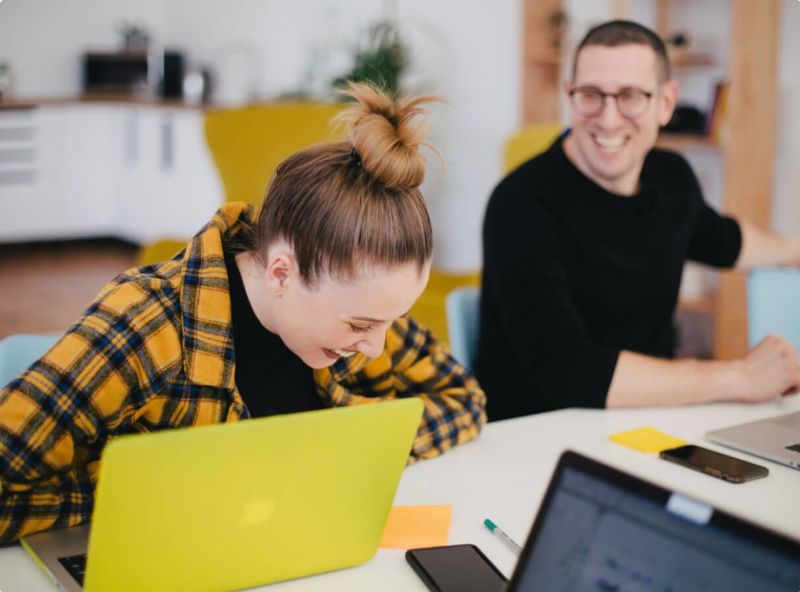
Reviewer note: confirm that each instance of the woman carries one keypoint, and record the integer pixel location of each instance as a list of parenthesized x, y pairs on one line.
[(295, 307)]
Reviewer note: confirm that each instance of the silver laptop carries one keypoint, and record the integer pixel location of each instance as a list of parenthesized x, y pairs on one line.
[(774, 438)]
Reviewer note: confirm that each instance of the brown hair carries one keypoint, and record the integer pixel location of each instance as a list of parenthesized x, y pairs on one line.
[(344, 204), (616, 33)]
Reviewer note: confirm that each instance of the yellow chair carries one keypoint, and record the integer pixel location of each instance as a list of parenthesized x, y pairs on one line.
[(528, 142), (247, 145), (160, 250), (430, 309)]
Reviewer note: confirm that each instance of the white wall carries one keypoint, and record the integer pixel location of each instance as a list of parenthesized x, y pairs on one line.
[(474, 60), (786, 197), (277, 39), (43, 39)]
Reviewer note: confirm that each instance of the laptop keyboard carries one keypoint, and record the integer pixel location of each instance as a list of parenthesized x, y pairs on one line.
[(795, 447), (75, 566)]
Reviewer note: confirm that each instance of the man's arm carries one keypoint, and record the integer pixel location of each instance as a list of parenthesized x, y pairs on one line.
[(761, 247), (769, 370)]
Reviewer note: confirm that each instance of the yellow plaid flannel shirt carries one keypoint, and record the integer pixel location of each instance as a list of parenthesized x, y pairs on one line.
[(155, 351)]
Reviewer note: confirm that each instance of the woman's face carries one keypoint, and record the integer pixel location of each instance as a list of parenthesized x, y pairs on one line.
[(336, 318)]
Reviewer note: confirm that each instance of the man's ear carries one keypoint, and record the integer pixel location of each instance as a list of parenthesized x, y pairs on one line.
[(667, 99), (281, 267)]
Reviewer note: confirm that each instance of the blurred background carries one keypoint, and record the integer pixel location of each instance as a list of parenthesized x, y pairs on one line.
[(123, 126)]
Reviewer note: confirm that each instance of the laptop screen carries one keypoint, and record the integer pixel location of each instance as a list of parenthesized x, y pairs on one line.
[(603, 530)]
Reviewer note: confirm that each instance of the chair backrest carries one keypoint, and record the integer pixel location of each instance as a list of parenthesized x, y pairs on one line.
[(773, 304), (249, 143), (528, 142), (463, 321), (17, 352)]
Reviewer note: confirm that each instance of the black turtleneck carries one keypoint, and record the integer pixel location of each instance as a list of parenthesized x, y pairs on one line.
[(270, 378)]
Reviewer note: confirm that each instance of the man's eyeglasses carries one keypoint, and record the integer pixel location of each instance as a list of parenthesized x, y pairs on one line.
[(589, 101)]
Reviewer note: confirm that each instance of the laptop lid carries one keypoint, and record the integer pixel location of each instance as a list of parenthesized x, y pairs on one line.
[(601, 529), (775, 438), (233, 506)]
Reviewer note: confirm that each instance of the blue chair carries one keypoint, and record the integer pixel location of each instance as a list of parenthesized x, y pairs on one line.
[(17, 352), (773, 304), (463, 321)]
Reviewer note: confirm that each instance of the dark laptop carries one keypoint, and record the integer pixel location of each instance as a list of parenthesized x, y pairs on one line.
[(603, 530)]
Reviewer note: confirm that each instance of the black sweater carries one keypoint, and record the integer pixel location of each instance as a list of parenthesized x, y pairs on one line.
[(573, 274)]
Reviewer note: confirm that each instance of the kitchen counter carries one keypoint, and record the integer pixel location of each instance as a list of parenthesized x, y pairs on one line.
[(32, 102)]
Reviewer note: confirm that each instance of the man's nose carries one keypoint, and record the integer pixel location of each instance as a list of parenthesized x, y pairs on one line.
[(610, 114)]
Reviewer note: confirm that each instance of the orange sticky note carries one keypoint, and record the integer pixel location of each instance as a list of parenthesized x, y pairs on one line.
[(409, 527), (646, 439)]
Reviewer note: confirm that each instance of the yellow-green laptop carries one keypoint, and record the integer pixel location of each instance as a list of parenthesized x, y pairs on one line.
[(239, 505)]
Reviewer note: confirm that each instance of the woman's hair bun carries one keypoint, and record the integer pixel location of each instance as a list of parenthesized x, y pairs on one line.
[(386, 134)]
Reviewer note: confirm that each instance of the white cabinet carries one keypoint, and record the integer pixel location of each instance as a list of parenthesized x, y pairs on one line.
[(78, 172), (23, 178), (138, 172), (167, 184)]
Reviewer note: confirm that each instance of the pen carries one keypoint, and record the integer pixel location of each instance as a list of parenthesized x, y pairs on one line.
[(499, 533)]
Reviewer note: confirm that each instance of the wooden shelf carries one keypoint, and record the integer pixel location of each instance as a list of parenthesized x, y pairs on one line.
[(541, 62), (684, 141), (691, 60), (703, 305), (540, 56)]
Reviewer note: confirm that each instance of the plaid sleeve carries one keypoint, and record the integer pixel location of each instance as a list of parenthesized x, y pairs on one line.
[(57, 415), (415, 363)]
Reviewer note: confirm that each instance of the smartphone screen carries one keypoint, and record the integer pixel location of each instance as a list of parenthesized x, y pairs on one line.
[(456, 568), (715, 464)]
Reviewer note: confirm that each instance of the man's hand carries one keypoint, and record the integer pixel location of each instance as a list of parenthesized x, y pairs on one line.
[(769, 370)]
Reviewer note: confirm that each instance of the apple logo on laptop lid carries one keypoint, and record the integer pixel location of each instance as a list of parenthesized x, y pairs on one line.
[(256, 511)]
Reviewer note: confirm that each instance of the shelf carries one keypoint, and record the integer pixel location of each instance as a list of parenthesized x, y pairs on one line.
[(703, 305), (686, 141), (543, 56), (692, 60)]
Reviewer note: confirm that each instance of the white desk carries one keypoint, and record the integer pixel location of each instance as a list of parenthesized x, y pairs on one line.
[(503, 476)]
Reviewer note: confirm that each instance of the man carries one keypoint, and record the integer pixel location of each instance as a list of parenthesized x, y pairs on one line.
[(584, 248)]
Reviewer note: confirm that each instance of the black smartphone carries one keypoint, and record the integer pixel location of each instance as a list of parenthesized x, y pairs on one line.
[(456, 568), (714, 463)]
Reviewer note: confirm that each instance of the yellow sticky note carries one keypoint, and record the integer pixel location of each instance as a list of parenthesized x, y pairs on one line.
[(409, 527), (646, 439)]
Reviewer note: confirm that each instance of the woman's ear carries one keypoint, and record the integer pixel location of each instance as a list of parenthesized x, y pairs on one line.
[(281, 268)]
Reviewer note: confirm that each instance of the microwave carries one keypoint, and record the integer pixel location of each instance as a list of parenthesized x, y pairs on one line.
[(134, 73), (121, 73)]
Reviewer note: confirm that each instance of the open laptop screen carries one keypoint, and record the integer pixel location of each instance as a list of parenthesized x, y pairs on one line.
[(602, 530)]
